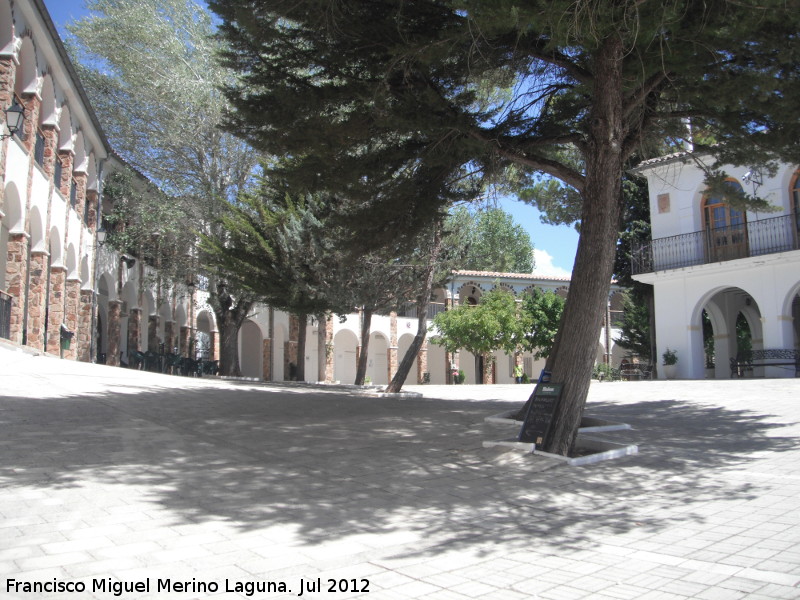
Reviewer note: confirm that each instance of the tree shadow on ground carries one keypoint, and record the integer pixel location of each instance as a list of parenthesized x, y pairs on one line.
[(333, 466)]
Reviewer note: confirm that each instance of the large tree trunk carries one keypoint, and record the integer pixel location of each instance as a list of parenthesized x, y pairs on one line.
[(228, 344), (366, 321), (575, 348), (230, 313), (422, 317)]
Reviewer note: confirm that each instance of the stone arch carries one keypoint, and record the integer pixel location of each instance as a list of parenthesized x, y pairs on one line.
[(91, 179), (164, 317), (80, 162), (378, 359), (72, 262), (14, 219), (56, 248), (86, 277), (130, 296), (251, 350), (470, 293), (36, 226), (505, 287), (204, 326), (66, 134), (106, 282), (437, 364), (403, 344), (345, 343), (181, 315), (48, 111), (27, 77), (722, 305), (562, 291)]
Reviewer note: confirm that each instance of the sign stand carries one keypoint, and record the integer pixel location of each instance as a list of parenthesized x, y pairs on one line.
[(539, 416)]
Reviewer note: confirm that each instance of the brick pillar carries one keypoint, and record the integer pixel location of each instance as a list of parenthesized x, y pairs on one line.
[(329, 353), (114, 332), (392, 361), (91, 205), (183, 342), (71, 312), (152, 333), (266, 356), (134, 328), (50, 150), (58, 281), (170, 340), (32, 105), (37, 284), (63, 186), (84, 333), (16, 275), (422, 361), (80, 195), (214, 350)]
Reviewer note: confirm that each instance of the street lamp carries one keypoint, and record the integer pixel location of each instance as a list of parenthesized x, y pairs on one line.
[(15, 116)]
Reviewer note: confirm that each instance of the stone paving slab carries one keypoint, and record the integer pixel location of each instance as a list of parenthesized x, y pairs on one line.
[(193, 488)]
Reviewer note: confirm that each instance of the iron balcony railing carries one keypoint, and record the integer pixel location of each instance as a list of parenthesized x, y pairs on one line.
[(756, 238), (410, 310), (5, 315)]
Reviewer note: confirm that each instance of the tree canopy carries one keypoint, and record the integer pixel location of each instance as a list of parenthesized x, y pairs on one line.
[(374, 99), (489, 240), (150, 70)]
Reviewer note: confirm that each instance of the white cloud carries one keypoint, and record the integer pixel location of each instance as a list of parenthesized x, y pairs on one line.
[(543, 265)]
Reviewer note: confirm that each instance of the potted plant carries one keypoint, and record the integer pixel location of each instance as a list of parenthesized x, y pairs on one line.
[(670, 363)]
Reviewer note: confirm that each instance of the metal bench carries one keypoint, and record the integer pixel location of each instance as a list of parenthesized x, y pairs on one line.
[(770, 357)]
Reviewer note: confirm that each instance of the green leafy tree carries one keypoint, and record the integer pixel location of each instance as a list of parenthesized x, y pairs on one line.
[(491, 241), (277, 247), (541, 314), (493, 324), (150, 71), (375, 98)]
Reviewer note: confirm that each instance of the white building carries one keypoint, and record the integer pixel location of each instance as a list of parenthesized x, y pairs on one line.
[(707, 256), (268, 339)]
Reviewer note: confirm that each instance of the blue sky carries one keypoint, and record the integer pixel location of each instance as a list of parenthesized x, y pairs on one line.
[(555, 246)]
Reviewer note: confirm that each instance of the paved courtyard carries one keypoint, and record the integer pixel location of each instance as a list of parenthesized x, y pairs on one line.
[(123, 484)]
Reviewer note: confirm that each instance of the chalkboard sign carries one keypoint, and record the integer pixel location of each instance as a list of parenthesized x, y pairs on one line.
[(539, 415)]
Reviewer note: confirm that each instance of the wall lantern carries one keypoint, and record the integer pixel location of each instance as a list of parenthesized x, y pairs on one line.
[(15, 116)]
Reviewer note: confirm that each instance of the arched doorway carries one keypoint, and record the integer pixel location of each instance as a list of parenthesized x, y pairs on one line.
[(377, 362), (344, 359), (203, 349), (251, 354), (727, 323)]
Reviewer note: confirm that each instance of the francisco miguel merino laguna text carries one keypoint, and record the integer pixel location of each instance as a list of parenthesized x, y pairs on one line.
[(193, 586)]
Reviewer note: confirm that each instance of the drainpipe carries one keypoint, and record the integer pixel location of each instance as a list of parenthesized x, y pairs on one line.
[(98, 220)]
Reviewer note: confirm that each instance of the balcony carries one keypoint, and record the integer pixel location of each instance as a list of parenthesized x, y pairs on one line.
[(756, 238)]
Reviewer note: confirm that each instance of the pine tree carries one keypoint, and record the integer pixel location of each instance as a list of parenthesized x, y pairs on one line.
[(382, 100)]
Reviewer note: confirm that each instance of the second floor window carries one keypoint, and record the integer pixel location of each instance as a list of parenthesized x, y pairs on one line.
[(57, 170), (73, 194), (38, 150)]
